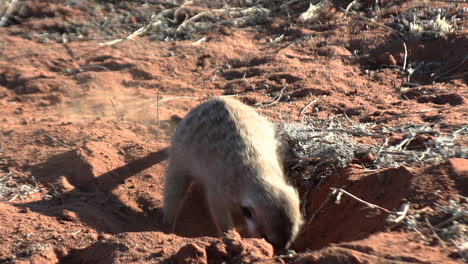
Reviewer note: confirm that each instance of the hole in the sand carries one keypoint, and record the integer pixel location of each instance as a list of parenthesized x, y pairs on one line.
[(347, 221)]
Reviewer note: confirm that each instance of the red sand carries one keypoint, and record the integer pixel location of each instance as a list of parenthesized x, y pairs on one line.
[(101, 177)]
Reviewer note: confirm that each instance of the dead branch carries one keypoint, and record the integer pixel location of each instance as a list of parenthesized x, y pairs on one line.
[(192, 98), (180, 98), (54, 139), (8, 12), (451, 69), (312, 217), (158, 101), (406, 56), (460, 250), (133, 35), (119, 116), (263, 104), (393, 31), (156, 2), (307, 106), (451, 219), (350, 6), (373, 22), (434, 233), (339, 192), (402, 213)]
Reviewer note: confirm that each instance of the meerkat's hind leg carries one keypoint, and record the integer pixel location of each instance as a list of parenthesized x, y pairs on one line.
[(220, 214), (177, 186)]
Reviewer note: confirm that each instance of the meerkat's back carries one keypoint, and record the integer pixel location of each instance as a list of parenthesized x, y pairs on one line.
[(232, 151)]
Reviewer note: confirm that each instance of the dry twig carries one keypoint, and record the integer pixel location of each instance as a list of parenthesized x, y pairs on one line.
[(156, 2), (263, 104), (132, 35), (8, 12), (54, 139), (451, 69), (119, 116), (312, 217), (179, 98), (406, 57), (434, 233), (350, 6), (339, 192), (158, 121), (307, 106), (404, 209), (450, 219), (460, 250), (393, 31)]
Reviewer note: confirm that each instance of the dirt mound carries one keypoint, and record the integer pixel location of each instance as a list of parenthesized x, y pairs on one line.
[(160, 247), (90, 95), (378, 248)]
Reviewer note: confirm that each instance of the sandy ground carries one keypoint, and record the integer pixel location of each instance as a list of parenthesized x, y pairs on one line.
[(83, 140)]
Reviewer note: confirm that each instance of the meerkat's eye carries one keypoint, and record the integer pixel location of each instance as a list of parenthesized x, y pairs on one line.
[(247, 212)]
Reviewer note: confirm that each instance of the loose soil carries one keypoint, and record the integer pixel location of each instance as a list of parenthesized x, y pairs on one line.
[(83, 140)]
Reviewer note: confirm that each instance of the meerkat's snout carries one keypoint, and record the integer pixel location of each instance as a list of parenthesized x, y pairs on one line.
[(274, 216)]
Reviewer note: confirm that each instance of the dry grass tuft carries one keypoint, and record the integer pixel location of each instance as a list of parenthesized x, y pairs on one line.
[(430, 23), (165, 28), (313, 12), (331, 143), (13, 187), (313, 151), (447, 226)]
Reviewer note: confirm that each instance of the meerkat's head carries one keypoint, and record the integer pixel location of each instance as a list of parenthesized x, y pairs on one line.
[(273, 213)]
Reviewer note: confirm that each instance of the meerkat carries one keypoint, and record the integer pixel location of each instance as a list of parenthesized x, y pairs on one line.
[(233, 152)]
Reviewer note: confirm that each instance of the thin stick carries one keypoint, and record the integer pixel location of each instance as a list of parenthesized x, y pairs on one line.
[(158, 123), (204, 39), (119, 116), (434, 233), (404, 142), (14, 197), (339, 192), (373, 22), (195, 17), (179, 97), (134, 34), (349, 7), (319, 209), (129, 37), (455, 76), (461, 196), (392, 30), (76, 232), (156, 2), (384, 144), (355, 133), (453, 1), (307, 106), (263, 104), (8, 13), (193, 98), (451, 69), (54, 139), (402, 213), (406, 56), (460, 249), (450, 219)]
